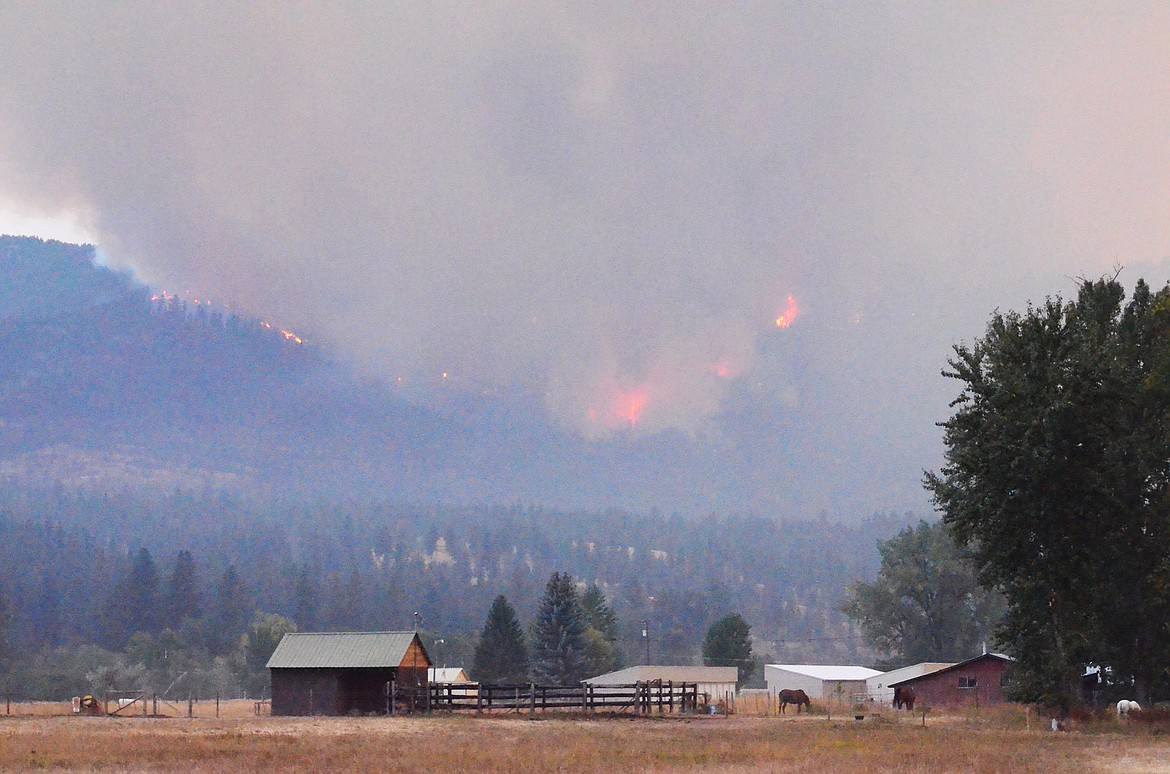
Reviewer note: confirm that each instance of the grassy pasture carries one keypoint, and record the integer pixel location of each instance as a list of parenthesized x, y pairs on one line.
[(43, 736)]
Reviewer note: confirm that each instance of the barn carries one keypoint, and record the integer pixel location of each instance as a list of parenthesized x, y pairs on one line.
[(338, 673), (975, 682), (879, 688), (825, 682), (718, 683)]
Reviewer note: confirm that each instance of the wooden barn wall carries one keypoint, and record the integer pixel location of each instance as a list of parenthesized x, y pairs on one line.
[(415, 667), (305, 692), (942, 689)]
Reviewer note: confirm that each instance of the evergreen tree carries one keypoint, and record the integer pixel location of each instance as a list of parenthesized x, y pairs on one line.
[(559, 643), (47, 623), (231, 611), (5, 622), (602, 652), (501, 655), (183, 599), (307, 602), (729, 643), (134, 605)]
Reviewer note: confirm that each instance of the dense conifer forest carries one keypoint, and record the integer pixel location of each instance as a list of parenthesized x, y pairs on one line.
[(190, 573)]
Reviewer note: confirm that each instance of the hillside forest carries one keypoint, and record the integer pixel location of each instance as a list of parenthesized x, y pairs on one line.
[(139, 588)]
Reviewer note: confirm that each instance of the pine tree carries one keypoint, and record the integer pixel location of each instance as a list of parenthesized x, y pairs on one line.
[(134, 604), (231, 611), (559, 642), (307, 602), (183, 599), (5, 646), (602, 652), (729, 643), (501, 655)]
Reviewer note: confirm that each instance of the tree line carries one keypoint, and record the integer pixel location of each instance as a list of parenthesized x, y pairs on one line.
[(174, 583)]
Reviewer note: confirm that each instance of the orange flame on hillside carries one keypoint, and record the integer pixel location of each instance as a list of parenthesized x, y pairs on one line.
[(636, 404), (791, 312), (623, 409)]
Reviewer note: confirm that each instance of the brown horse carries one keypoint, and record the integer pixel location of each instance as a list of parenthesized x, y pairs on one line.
[(904, 696), (797, 697)]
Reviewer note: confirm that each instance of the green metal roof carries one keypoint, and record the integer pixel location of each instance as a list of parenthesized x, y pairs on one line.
[(342, 650)]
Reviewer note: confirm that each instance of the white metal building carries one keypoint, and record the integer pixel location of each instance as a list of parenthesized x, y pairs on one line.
[(717, 682), (878, 687), (449, 675), (819, 681)]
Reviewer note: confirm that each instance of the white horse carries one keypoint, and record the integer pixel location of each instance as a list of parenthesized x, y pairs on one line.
[(1126, 706)]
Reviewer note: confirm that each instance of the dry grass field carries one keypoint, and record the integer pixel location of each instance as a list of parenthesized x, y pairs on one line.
[(43, 737)]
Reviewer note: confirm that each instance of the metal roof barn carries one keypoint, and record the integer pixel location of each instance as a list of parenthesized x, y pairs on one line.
[(820, 681), (339, 673), (718, 683)]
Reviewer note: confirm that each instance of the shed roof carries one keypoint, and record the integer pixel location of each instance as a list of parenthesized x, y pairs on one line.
[(829, 672), (906, 672), (678, 674), (449, 675), (996, 656), (342, 650)]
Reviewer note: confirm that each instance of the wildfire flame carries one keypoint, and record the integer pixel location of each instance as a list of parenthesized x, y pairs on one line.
[(166, 298), (791, 312), (636, 403), (623, 409)]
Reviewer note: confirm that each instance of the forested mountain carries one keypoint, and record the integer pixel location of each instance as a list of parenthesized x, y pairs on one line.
[(106, 383), (150, 444)]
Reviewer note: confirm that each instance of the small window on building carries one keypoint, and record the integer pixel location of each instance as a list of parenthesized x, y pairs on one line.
[(967, 681)]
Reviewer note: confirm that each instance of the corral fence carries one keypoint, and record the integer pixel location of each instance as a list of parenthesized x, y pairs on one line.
[(643, 698)]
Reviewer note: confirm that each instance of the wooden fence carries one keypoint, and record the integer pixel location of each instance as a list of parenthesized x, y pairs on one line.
[(640, 698)]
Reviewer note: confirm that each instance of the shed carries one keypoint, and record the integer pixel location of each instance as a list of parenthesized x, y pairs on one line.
[(975, 682), (878, 688), (820, 681), (449, 675), (718, 683), (336, 673)]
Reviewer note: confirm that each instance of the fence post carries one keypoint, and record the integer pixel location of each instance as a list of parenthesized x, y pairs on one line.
[(532, 700), (479, 702), (190, 706), (393, 695), (217, 703)]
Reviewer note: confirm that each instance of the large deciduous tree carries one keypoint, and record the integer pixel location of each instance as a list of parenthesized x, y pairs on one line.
[(501, 655), (1056, 477), (558, 642), (729, 643), (926, 604)]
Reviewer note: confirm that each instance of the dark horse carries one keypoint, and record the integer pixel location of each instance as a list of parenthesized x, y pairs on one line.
[(904, 696), (797, 697)]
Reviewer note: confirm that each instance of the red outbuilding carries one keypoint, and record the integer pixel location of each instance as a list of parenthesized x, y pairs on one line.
[(975, 682)]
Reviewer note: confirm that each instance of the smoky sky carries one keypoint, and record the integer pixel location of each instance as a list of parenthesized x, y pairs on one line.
[(609, 204)]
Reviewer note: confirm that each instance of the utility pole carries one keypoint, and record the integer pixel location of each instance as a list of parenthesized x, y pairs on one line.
[(646, 639)]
